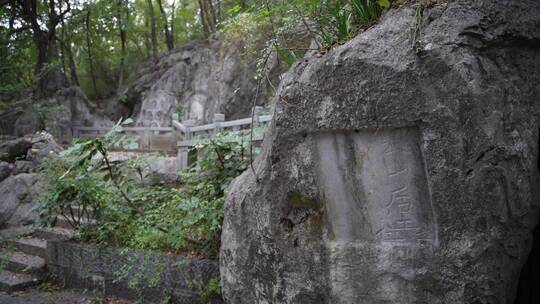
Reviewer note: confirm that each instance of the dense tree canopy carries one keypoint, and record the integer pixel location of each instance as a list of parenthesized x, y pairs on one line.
[(98, 43)]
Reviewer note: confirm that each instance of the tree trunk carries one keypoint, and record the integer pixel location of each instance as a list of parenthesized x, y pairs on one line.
[(62, 48), (153, 35), (208, 17), (88, 47), (44, 39), (123, 38), (172, 22), (68, 54), (168, 35), (41, 40), (212, 15), (204, 22), (72, 67)]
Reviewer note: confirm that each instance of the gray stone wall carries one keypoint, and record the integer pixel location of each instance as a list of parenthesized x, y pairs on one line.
[(135, 275)]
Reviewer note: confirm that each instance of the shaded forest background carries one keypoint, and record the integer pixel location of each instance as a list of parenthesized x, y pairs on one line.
[(99, 44)]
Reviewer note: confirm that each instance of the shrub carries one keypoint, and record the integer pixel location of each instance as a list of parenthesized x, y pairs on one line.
[(130, 213)]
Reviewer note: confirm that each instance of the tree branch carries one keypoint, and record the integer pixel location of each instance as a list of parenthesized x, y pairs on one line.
[(4, 2)]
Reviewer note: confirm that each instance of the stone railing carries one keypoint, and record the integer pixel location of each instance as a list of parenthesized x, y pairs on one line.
[(150, 138), (182, 136), (192, 134), (190, 131)]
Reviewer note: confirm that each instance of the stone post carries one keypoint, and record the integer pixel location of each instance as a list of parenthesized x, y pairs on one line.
[(146, 142), (182, 157), (188, 123), (258, 111), (218, 119), (183, 150)]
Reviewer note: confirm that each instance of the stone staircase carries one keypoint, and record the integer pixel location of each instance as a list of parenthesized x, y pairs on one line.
[(23, 263), (22, 260)]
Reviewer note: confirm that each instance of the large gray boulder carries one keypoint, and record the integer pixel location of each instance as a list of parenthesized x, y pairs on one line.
[(57, 107), (58, 113), (17, 200), (5, 170), (397, 171), (204, 78), (23, 166), (12, 150), (52, 81), (43, 146), (67, 109)]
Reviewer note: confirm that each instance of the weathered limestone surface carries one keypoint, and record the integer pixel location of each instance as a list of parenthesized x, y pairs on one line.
[(19, 183), (203, 77), (397, 171), (5, 170), (57, 108), (12, 150), (17, 195)]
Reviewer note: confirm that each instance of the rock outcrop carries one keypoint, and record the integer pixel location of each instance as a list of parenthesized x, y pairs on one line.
[(18, 200), (397, 169), (5, 170), (61, 112), (12, 150), (204, 77), (57, 107), (19, 178)]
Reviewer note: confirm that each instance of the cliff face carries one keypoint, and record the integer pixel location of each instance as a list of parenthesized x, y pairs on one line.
[(400, 168), (203, 77), (57, 108)]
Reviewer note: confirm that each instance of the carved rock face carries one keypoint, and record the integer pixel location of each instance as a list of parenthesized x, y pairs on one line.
[(203, 78), (397, 171)]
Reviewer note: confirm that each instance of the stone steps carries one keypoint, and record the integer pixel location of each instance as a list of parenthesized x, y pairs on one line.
[(31, 245), (11, 282), (24, 263), (22, 260), (54, 233), (21, 270)]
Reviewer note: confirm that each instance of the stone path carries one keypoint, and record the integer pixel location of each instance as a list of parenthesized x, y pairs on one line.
[(22, 258), (56, 297), (23, 269)]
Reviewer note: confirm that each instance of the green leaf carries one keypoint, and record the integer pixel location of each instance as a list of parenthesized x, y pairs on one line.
[(384, 3)]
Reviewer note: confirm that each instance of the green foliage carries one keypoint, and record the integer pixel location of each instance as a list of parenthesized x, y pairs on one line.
[(285, 26), (180, 111), (7, 250), (289, 26), (17, 53), (211, 290), (198, 224), (367, 11), (77, 184), (132, 214)]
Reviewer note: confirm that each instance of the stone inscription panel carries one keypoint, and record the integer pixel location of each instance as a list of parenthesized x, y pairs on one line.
[(375, 186)]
